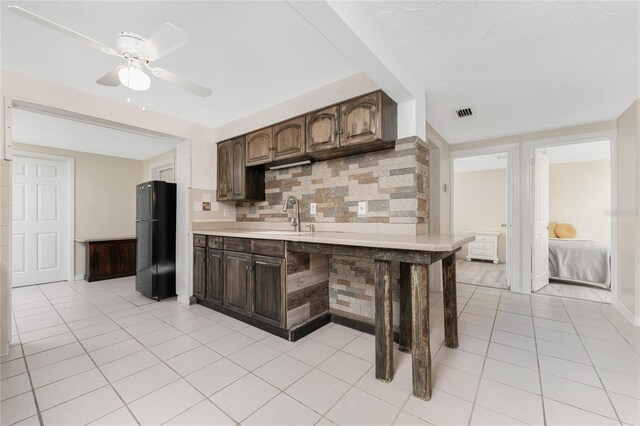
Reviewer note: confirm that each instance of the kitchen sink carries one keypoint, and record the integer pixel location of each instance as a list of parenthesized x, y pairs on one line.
[(283, 232)]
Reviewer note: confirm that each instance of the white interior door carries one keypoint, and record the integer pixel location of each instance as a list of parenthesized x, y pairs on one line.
[(541, 221), (41, 204)]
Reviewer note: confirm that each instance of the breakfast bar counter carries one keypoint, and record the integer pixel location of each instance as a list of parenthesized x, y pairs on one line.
[(415, 254)]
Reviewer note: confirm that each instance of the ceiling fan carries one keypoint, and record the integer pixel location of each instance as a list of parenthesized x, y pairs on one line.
[(138, 51)]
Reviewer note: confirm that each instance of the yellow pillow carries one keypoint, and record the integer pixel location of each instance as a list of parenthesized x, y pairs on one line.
[(552, 229), (564, 230)]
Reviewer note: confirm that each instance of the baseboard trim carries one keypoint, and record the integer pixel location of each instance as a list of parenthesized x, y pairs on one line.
[(633, 319), (291, 335), (78, 277), (365, 327)]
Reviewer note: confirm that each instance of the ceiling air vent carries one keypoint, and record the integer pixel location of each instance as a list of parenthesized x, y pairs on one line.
[(464, 112)]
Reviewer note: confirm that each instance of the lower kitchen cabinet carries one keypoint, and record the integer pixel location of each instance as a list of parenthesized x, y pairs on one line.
[(246, 278), (199, 271), (268, 290), (214, 285), (237, 281)]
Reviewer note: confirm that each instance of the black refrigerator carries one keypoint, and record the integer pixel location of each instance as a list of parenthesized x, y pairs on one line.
[(156, 239)]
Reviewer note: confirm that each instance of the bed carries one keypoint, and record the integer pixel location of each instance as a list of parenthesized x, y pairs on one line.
[(579, 261)]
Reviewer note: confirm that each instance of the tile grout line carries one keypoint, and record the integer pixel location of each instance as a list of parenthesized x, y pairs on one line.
[(615, 411), (252, 371), (484, 361), (97, 368), (33, 391)]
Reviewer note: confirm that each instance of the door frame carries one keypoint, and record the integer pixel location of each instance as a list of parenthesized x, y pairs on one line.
[(182, 168), (154, 169), (69, 245), (513, 251), (528, 150)]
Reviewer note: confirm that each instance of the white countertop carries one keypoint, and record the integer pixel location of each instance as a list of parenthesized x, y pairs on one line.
[(422, 242)]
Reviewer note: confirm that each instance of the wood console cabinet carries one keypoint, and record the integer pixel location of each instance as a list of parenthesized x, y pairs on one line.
[(109, 258)]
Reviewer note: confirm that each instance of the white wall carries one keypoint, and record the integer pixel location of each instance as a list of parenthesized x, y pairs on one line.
[(628, 156), (105, 200), (202, 161), (580, 194), (480, 204)]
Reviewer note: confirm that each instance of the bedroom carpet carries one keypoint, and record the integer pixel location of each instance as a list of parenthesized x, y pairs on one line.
[(479, 272), (575, 291)]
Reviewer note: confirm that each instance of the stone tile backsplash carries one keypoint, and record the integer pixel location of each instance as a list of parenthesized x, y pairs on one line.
[(394, 182)]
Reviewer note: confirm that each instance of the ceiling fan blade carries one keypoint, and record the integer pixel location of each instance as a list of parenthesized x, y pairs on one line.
[(165, 40), (111, 78), (50, 24), (182, 82)]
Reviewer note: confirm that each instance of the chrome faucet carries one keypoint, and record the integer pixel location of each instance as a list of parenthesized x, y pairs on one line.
[(295, 221)]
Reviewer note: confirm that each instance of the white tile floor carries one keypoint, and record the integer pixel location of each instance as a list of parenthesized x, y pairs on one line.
[(100, 353)]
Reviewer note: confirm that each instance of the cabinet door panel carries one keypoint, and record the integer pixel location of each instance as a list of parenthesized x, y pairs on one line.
[(199, 272), (239, 173), (288, 139), (259, 146), (322, 130), (214, 277), (224, 171), (268, 289), (237, 281), (360, 120)]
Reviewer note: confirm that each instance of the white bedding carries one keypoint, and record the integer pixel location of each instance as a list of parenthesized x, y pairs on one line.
[(581, 261)]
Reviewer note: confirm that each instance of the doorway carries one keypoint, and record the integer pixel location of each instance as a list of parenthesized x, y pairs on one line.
[(572, 226), (482, 198), (42, 218)]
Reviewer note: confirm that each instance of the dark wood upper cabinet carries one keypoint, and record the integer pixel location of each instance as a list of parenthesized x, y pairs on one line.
[(237, 281), (214, 284), (246, 183), (268, 289), (199, 272), (224, 171), (238, 175), (259, 147), (322, 130), (289, 139), (368, 119)]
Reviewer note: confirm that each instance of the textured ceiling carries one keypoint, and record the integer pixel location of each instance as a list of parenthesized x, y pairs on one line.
[(521, 66), (251, 54), (39, 129)]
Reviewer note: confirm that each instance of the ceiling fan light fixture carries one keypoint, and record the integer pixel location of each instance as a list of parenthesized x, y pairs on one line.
[(134, 78)]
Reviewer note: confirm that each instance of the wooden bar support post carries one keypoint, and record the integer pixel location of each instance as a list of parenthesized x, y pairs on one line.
[(384, 321), (405, 307), (450, 301), (420, 347)]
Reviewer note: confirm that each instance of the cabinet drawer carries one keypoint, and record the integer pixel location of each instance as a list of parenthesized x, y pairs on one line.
[(237, 244), (199, 240), (214, 242), (268, 247), (482, 246), (481, 252), (485, 238)]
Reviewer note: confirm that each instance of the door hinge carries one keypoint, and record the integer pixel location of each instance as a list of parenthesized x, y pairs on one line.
[(533, 161)]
